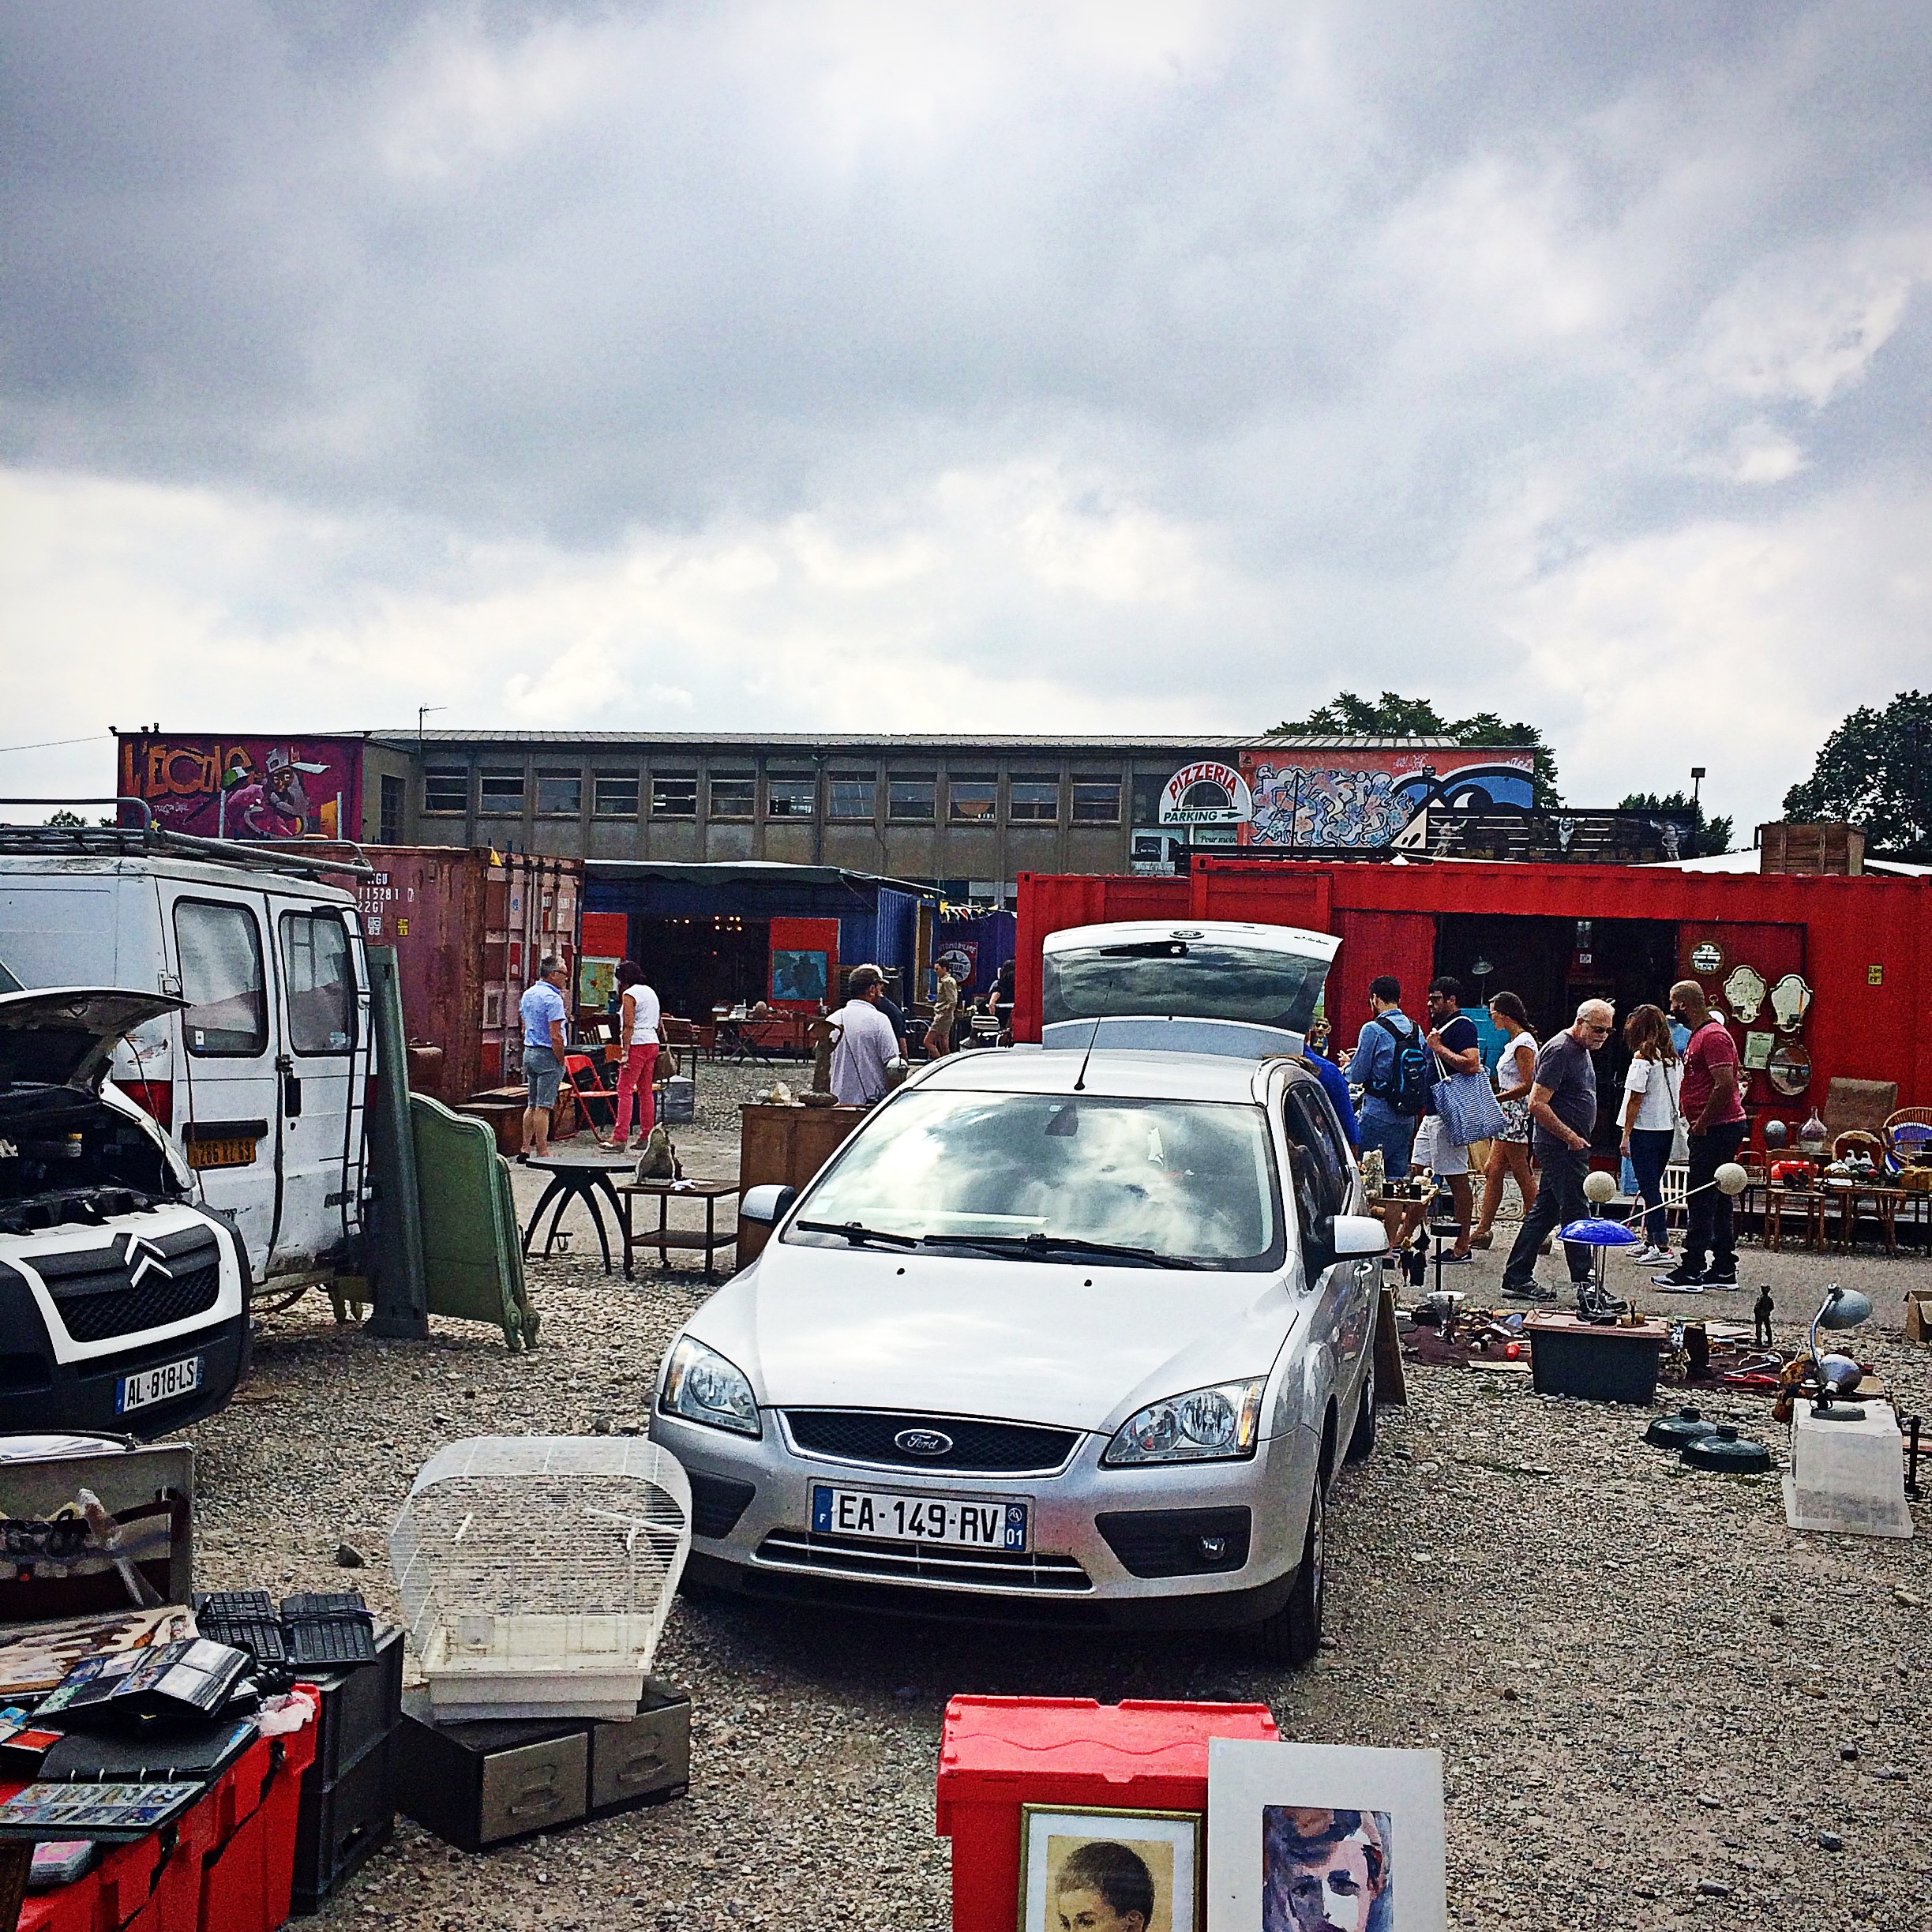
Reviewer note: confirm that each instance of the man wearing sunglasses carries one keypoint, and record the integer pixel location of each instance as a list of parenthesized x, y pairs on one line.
[(1562, 1114)]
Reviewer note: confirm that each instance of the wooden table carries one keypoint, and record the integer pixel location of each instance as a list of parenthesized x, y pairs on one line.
[(585, 1180), (1401, 1218), (1885, 1203), (1804, 1201), (691, 1188)]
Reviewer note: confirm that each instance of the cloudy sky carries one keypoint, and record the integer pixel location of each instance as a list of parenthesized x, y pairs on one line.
[(1102, 367)]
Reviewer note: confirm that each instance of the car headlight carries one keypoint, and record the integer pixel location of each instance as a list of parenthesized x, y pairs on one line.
[(1205, 1425), (700, 1385)]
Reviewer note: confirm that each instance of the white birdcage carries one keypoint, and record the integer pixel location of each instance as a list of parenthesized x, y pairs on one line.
[(537, 1572)]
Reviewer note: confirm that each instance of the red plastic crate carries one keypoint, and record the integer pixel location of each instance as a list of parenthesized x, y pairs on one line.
[(998, 1754), (225, 1866), (247, 1874)]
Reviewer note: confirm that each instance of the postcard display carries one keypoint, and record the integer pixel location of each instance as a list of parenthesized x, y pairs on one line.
[(1181, 1817), (1056, 1775)]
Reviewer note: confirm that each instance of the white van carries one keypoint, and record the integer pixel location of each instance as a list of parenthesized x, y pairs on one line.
[(262, 1080)]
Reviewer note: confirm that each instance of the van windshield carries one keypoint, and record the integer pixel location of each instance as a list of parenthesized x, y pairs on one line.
[(1057, 1177), (1181, 978)]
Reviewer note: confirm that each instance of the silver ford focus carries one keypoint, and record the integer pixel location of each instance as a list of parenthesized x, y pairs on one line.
[(1071, 1335)]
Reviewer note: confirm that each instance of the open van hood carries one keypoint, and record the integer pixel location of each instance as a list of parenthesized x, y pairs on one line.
[(65, 1037), (1240, 989)]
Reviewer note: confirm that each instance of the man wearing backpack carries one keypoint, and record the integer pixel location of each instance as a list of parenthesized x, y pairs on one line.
[(1391, 1066)]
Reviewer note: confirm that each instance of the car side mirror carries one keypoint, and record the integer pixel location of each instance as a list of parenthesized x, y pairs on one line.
[(1358, 1234), (766, 1205)]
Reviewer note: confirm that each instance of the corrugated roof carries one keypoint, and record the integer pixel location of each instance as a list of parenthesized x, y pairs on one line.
[(405, 738), (1369, 742)]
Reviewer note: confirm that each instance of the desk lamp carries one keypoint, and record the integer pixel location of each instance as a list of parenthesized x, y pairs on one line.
[(1842, 1307)]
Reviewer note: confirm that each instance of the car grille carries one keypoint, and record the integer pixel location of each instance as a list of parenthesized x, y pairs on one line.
[(861, 1558), (985, 1448), (96, 1298)]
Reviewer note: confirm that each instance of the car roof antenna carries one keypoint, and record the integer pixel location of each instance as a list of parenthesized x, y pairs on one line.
[(1080, 1083)]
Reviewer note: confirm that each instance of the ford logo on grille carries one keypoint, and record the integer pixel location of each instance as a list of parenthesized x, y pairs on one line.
[(924, 1441)]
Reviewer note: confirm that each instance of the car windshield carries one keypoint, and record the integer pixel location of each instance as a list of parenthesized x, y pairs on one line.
[(1058, 1177)]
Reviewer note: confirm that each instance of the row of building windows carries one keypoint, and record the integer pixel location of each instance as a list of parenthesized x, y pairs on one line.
[(911, 798)]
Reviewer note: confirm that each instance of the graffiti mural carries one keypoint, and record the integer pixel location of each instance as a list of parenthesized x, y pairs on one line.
[(246, 788), (1325, 799)]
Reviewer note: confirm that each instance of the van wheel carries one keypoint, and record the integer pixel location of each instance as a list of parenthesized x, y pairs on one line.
[(1293, 1634), (1362, 1442)]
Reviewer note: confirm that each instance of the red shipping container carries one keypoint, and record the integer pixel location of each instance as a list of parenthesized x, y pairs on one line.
[(998, 1754)]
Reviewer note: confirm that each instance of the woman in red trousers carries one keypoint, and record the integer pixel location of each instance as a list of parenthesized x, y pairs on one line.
[(637, 1056)]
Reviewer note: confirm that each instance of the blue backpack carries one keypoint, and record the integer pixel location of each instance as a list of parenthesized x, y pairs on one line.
[(1406, 1086)]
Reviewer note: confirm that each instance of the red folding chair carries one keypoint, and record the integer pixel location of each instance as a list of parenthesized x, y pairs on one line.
[(599, 1102)]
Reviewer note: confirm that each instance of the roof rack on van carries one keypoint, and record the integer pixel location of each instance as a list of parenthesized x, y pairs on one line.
[(148, 840)]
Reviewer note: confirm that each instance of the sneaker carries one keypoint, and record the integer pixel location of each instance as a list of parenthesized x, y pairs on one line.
[(1682, 1280), (1458, 1261), (1719, 1277), (1530, 1291), (1655, 1257)]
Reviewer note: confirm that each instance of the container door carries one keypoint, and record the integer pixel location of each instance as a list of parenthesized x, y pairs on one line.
[(324, 1023), (227, 1089)]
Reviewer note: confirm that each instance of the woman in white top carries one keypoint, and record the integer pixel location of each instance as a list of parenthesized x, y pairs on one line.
[(1649, 1119), (1509, 1153), (637, 1056)]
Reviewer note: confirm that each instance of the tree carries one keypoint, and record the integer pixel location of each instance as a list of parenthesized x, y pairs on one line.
[(1871, 772), (1394, 716), (67, 820), (1709, 836)]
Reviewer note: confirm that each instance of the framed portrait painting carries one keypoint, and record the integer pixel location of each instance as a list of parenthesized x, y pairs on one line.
[(1109, 1871), (1324, 1838)]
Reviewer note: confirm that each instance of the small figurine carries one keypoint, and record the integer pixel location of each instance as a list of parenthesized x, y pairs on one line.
[(1760, 1310)]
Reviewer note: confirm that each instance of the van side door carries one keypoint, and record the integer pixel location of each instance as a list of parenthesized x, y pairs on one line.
[(227, 1089), (324, 1026)]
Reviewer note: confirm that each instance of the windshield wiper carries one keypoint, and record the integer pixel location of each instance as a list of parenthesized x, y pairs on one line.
[(858, 1233), (1046, 1244)]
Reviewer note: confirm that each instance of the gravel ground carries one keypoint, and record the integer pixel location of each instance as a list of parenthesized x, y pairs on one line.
[(1652, 1698)]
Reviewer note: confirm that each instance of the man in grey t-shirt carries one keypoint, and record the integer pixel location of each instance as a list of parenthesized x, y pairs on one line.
[(1562, 1112)]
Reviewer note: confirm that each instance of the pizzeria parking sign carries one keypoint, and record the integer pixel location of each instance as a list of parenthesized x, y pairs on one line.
[(1207, 793)]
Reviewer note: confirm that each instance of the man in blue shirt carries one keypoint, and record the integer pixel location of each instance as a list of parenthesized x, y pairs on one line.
[(1371, 1066), (543, 1014)]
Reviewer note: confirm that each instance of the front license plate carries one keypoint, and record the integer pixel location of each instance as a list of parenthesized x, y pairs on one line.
[(149, 1385), (973, 1524), (221, 1153)]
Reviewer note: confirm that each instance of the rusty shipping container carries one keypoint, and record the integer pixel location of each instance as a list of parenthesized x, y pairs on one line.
[(468, 927)]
